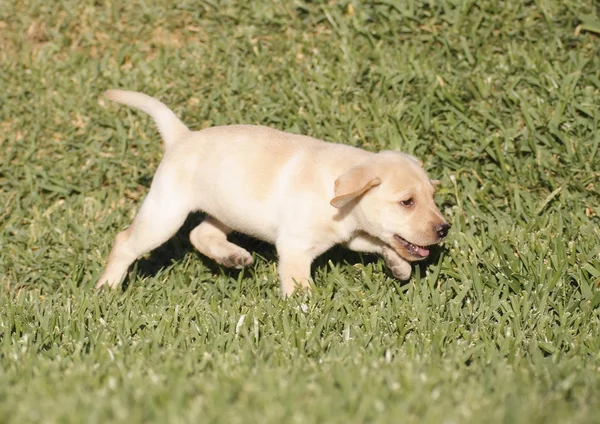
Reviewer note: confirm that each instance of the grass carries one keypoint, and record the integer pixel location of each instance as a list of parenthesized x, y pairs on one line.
[(500, 99)]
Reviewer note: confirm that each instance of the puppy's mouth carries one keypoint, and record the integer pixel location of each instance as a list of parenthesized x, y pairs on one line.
[(415, 251)]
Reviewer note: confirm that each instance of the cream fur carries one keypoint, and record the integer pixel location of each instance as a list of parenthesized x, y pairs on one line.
[(299, 193)]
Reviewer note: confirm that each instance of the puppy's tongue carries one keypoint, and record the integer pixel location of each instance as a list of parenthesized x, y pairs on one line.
[(422, 251)]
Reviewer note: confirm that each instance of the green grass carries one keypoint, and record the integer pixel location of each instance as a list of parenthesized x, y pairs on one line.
[(500, 99)]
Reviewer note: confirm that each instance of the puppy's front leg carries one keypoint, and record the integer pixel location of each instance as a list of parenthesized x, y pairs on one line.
[(399, 267), (294, 268), (365, 243)]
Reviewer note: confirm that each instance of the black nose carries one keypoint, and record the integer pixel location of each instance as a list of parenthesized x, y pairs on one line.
[(442, 230)]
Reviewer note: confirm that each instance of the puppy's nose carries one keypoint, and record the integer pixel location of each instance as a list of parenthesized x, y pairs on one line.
[(442, 230)]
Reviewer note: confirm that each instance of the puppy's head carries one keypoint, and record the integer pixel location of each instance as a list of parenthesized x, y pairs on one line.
[(391, 197)]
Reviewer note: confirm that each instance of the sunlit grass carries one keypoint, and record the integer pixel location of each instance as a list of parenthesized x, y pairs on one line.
[(500, 100)]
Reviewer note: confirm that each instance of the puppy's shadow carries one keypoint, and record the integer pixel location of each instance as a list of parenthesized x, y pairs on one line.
[(433, 259), (342, 256), (178, 246)]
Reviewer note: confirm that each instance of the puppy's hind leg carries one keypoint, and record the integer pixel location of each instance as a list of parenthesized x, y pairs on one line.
[(160, 216), (210, 239)]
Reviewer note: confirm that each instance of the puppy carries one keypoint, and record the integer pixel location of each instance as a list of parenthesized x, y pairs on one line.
[(301, 194)]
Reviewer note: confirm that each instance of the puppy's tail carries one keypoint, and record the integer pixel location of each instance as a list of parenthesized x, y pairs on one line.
[(169, 125)]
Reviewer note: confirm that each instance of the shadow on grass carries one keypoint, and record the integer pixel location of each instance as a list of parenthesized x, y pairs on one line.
[(179, 246), (434, 257), (176, 248)]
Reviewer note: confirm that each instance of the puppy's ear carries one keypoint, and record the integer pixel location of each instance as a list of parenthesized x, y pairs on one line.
[(352, 184), (434, 183)]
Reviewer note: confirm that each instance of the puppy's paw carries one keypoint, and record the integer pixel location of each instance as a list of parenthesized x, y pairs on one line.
[(399, 267), (110, 278), (291, 288), (238, 258)]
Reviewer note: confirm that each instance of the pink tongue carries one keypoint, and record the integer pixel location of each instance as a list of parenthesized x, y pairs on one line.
[(422, 251)]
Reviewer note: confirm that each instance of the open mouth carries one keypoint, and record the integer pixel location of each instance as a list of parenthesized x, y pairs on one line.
[(413, 249)]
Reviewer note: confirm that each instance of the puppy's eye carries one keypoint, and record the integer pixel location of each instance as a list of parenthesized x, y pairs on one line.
[(407, 202)]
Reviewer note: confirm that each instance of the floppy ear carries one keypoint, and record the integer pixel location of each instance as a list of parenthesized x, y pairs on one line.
[(434, 183), (352, 184)]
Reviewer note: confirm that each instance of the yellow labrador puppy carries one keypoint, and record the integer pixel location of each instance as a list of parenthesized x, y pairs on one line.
[(301, 194)]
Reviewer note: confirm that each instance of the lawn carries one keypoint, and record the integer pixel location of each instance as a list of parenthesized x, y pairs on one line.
[(501, 100)]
